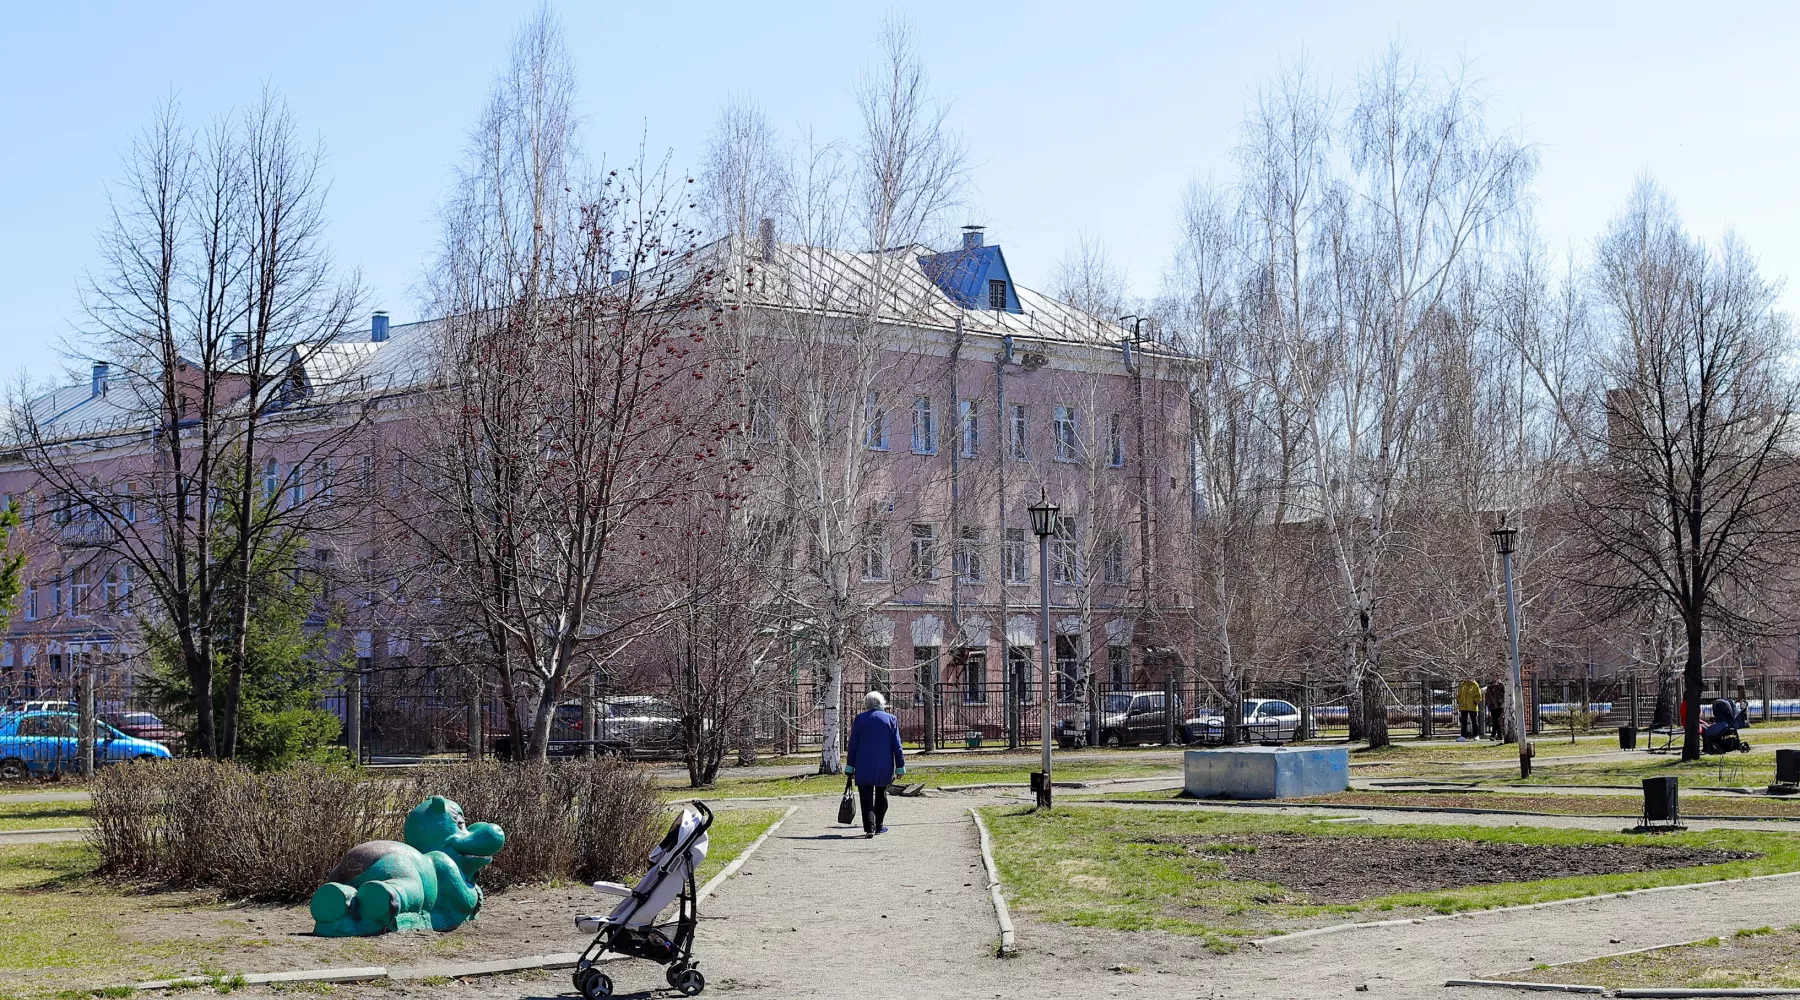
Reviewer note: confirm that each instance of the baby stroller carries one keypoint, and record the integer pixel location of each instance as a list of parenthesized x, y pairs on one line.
[(1721, 736), (630, 929)]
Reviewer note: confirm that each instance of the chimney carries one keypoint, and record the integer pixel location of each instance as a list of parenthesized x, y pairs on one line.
[(240, 347), (765, 231), (378, 327), (972, 237), (99, 383)]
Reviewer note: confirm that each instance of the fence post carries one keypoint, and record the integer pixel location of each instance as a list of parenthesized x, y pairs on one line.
[(1767, 713), (1537, 707), (87, 718), (353, 696), (474, 724), (1631, 694), (1425, 720), (1306, 708), (589, 731), (1168, 737)]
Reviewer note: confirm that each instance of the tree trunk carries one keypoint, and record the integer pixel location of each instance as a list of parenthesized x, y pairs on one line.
[(830, 761), (1374, 703), (200, 681), (1690, 727)]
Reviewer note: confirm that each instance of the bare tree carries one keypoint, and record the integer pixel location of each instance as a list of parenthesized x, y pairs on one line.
[(220, 321), (1687, 504), (579, 393)]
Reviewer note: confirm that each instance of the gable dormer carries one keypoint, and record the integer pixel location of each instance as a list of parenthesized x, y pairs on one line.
[(974, 276)]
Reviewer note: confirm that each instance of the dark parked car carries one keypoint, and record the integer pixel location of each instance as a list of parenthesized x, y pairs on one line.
[(144, 726), (1126, 717), (625, 725)]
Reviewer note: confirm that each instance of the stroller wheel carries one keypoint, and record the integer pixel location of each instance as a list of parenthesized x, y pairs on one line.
[(688, 982), (593, 983)]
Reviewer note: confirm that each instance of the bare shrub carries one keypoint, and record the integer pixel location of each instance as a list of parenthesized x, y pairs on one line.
[(582, 819), (199, 823), (202, 824)]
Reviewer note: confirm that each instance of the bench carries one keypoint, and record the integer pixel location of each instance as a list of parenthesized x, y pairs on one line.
[(1667, 734)]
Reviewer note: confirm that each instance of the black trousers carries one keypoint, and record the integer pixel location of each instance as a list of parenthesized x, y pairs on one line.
[(1469, 725), (874, 806)]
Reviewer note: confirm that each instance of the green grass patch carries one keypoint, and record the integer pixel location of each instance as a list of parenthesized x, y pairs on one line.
[(732, 831), (1119, 869), (1757, 957), (43, 815)]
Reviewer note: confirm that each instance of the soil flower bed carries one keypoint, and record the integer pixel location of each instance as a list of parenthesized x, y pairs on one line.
[(1227, 876), (1313, 868)]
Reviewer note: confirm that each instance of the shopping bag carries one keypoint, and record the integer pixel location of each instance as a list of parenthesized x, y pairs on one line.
[(847, 807)]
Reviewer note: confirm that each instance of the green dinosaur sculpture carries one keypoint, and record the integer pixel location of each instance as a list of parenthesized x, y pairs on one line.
[(429, 881)]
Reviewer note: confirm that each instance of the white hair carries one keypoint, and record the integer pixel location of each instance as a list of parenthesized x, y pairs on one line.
[(874, 702)]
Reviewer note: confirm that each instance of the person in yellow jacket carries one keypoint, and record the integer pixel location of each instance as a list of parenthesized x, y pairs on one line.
[(1468, 709)]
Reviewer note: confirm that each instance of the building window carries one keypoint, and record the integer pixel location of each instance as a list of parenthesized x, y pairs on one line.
[(1118, 666), (30, 603), (1021, 663), (1016, 557), (997, 294), (974, 676), (923, 564), (1112, 557), (116, 589), (324, 479), (924, 667), (1062, 425), (1115, 441), (762, 416), (1068, 668), (967, 558), (399, 485), (875, 436), (924, 427), (1065, 558), (881, 666), (296, 485), (1019, 442), (271, 479), (875, 551), (968, 425)]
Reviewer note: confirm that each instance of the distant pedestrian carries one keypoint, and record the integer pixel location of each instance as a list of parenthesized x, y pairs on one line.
[(875, 759), (1468, 709), (1496, 706)]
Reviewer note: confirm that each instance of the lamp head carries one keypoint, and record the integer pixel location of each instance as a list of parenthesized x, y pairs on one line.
[(1043, 515)]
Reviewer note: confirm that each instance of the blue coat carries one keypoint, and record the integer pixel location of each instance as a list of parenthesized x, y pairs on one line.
[(875, 748)]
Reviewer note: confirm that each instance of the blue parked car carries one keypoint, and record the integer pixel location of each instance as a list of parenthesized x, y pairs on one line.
[(44, 742)]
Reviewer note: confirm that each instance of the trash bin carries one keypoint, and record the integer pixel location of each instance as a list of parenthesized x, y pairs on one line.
[(972, 738), (1627, 737)]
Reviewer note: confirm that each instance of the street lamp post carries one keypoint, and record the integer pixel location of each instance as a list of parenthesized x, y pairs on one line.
[(1043, 523), (1503, 541)]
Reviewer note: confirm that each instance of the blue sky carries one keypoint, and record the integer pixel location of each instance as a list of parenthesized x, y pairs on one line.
[(1080, 118)]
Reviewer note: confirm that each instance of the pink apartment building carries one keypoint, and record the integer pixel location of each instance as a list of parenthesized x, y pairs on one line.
[(982, 396)]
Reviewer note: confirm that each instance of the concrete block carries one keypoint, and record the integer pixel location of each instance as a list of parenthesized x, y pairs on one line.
[(1266, 772)]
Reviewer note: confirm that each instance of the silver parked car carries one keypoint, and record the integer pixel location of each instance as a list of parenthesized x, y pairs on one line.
[(1265, 720)]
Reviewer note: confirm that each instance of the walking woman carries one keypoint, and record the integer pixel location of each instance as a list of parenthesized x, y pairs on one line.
[(875, 758)]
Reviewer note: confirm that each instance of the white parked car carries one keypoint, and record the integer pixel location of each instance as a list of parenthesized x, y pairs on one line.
[(1265, 720)]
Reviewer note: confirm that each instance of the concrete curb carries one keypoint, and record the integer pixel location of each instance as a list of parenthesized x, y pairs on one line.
[(356, 975), (1462, 810), (1746, 991), (1009, 939), (738, 862), (1508, 984), (1471, 914)]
